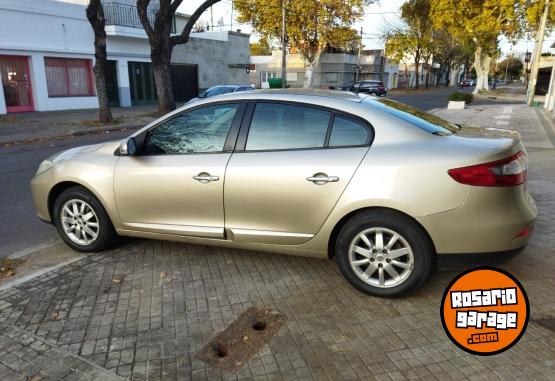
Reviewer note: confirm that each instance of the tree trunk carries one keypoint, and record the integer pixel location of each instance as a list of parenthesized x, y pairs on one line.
[(417, 71), (162, 79), (482, 62), (309, 68), (95, 15)]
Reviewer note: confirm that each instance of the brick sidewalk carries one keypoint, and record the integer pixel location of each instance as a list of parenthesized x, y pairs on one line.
[(171, 299)]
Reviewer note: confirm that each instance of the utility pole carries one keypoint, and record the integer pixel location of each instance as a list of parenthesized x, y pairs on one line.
[(358, 55), (537, 54), (231, 15), (211, 19), (283, 46)]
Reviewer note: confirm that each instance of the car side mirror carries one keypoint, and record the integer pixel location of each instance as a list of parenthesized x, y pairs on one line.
[(128, 147)]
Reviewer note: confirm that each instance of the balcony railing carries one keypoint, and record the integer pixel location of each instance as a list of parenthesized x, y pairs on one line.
[(126, 15)]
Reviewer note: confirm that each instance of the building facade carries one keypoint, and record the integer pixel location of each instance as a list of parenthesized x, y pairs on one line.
[(335, 69), (47, 56)]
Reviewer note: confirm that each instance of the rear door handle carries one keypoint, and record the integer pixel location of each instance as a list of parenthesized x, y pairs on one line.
[(205, 178), (320, 179)]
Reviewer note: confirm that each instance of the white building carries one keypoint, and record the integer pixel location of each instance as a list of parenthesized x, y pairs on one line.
[(47, 55)]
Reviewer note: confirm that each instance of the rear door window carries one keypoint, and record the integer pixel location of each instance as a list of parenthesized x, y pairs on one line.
[(277, 126)]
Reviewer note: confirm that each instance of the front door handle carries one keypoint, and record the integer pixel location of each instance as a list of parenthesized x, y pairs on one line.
[(205, 178), (322, 178)]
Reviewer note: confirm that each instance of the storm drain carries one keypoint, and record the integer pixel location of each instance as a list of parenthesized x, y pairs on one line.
[(232, 348)]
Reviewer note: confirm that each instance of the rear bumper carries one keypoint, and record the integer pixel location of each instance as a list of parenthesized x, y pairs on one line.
[(489, 221), (465, 261)]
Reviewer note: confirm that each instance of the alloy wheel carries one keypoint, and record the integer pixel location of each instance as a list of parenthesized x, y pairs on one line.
[(381, 257), (80, 222)]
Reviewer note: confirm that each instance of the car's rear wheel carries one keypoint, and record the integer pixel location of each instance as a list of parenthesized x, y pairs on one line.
[(82, 222), (384, 253)]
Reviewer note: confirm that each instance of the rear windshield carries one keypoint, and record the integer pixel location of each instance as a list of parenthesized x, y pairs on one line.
[(423, 120)]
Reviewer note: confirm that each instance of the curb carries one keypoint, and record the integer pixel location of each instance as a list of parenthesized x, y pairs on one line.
[(71, 133)]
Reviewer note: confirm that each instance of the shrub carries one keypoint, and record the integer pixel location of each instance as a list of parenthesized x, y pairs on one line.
[(458, 97)]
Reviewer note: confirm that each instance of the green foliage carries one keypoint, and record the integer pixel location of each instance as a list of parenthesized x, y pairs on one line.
[(460, 97), (311, 24), (261, 48)]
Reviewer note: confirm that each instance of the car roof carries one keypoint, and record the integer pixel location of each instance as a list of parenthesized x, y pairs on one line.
[(299, 93)]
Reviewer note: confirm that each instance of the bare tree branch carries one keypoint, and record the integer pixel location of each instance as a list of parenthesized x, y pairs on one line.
[(183, 38), (175, 5), (142, 10)]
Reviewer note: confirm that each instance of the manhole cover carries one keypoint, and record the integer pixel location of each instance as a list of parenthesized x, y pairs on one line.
[(231, 349)]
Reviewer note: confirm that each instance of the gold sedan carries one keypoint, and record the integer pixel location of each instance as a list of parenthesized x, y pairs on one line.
[(384, 188)]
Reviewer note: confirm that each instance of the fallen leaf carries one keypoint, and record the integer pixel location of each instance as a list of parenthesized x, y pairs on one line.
[(55, 316), (36, 377), (163, 274), (117, 280)]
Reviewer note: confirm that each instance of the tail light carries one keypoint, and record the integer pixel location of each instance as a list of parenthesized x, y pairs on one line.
[(508, 172)]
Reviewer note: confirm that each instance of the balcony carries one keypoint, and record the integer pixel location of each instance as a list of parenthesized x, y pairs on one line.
[(126, 16)]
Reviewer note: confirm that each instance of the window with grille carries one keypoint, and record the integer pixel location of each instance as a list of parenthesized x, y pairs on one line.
[(68, 77)]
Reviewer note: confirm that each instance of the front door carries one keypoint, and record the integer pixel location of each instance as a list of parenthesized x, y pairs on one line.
[(184, 82), (112, 83), (141, 83), (16, 82), (296, 164), (175, 186)]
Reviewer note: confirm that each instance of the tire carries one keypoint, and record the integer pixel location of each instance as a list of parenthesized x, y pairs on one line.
[(92, 218), (355, 264), (373, 93)]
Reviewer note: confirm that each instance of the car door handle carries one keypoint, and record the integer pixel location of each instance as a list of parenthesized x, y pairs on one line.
[(322, 179), (205, 178)]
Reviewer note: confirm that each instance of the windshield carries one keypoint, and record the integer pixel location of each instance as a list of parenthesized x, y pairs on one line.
[(217, 90), (423, 120)]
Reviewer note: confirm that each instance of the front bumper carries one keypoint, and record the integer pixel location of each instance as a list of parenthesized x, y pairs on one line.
[(40, 187), (489, 221)]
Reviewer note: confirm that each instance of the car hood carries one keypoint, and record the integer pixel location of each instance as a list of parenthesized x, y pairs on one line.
[(77, 151)]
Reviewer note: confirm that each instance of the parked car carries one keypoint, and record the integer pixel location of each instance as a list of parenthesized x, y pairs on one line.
[(224, 89), (384, 188), (471, 82), (369, 87)]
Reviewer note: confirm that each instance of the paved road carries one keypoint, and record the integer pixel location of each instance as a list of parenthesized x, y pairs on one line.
[(19, 227)]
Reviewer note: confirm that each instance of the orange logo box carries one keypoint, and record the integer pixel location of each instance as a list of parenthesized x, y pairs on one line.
[(485, 311)]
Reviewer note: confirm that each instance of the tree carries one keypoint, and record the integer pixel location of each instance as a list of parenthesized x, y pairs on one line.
[(162, 43), (95, 15), (312, 25), (512, 66), (450, 53), (414, 37), (482, 21), (261, 48)]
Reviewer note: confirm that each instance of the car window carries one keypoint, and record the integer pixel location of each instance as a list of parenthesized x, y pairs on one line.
[(417, 118), (245, 88), (348, 132), (196, 131), (218, 91), (284, 126)]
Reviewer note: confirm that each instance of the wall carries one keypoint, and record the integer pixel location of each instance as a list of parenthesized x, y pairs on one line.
[(220, 61)]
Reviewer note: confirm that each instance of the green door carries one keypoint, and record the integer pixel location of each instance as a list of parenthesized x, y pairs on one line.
[(112, 83), (141, 80)]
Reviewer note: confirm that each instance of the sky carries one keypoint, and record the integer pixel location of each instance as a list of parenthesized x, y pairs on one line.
[(376, 17)]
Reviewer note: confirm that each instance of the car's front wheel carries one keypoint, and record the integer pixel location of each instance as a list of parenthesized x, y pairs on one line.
[(82, 222), (384, 253)]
